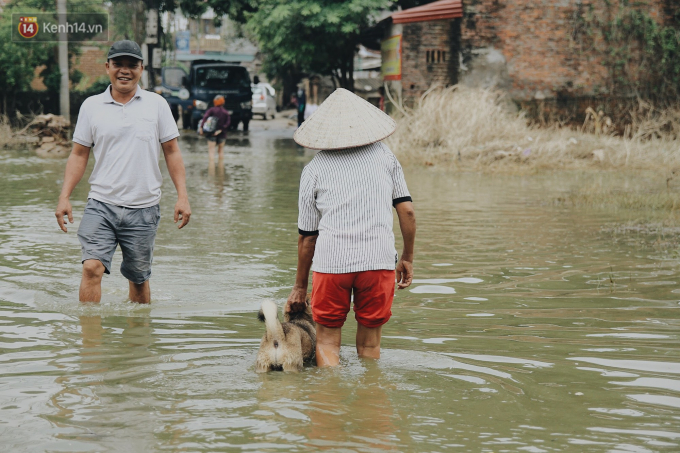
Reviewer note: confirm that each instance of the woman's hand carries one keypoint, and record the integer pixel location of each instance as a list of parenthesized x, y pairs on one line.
[(404, 273), (297, 301)]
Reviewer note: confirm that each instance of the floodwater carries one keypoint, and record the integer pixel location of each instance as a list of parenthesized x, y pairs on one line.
[(527, 328)]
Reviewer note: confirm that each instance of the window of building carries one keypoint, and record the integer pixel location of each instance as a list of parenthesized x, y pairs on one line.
[(435, 56)]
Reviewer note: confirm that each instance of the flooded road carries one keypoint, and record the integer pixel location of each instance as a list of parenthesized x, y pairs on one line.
[(527, 328)]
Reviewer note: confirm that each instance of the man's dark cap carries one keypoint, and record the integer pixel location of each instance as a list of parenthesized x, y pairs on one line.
[(125, 48)]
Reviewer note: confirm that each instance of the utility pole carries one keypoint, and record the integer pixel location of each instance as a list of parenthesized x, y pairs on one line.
[(64, 103), (151, 43)]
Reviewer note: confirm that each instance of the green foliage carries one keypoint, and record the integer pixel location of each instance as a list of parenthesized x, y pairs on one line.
[(127, 20), (299, 36), (42, 54), (641, 55), (18, 60), (318, 36)]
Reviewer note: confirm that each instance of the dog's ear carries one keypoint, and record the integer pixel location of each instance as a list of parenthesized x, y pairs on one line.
[(260, 315)]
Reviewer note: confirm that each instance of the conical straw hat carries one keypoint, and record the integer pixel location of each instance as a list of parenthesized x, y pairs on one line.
[(344, 120)]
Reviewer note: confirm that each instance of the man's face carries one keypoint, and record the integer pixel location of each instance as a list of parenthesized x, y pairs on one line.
[(124, 73)]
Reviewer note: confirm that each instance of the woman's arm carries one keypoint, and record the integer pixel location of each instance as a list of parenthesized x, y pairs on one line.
[(298, 296), (407, 224)]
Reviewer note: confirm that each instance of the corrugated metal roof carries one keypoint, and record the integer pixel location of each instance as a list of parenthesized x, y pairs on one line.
[(443, 9)]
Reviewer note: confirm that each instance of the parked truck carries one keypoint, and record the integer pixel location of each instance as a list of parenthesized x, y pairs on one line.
[(195, 91)]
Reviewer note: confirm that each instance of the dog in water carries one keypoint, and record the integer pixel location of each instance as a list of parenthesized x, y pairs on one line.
[(285, 346)]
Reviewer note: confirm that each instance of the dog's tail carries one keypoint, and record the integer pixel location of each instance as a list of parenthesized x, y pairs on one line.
[(269, 315)]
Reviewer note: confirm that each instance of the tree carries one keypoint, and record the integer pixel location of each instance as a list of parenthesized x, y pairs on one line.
[(319, 36), (18, 60), (25, 57), (299, 36)]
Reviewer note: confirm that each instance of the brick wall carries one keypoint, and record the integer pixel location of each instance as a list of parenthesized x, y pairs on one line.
[(427, 56), (535, 49), (540, 45), (91, 64)]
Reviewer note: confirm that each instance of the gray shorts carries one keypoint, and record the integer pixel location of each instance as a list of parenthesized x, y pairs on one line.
[(104, 226)]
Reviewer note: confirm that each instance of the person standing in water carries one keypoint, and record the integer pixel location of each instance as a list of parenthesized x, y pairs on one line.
[(301, 100), (345, 224), (126, 128), (218, 134)]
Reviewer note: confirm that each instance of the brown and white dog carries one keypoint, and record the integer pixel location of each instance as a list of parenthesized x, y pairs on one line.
[(285, 346)]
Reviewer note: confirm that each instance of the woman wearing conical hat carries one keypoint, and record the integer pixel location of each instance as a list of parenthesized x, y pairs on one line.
[(345, 223)]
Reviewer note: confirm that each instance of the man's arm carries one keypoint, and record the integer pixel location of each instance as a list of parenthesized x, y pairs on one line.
[(75, 169), (298, 296), (173, 159), (407, 224)]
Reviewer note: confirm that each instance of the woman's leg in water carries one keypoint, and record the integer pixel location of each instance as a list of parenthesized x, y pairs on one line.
[(211, 153), (220, 152)]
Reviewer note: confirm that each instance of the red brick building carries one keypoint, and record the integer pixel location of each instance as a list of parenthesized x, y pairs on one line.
[(534, 49), (90, 63)]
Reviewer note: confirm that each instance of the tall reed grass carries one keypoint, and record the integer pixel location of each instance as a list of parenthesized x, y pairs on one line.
[(477, 129), (7, 137)]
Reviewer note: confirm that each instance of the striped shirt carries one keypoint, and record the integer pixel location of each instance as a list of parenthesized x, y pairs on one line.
[(346, 197)]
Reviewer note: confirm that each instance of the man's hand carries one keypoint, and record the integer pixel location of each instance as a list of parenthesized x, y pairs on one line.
[(64, 209), (75, 168), (297, 301), (200, 131), (404, 273), (217, 132), (173, 159), (182, 212)]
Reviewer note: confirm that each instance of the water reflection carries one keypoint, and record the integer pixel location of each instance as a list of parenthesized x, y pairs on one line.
[(91, 352), (356, 414)]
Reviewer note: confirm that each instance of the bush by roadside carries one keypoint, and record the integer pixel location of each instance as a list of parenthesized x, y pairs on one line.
[(475, 129)]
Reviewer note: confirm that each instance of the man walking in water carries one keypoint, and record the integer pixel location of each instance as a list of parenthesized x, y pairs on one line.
[(126, 127), (345, 224)]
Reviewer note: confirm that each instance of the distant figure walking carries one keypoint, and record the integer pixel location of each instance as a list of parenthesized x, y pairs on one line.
[(301, 99), (214, 126)]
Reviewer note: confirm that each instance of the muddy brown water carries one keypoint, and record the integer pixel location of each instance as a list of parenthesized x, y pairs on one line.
[(526, 329)]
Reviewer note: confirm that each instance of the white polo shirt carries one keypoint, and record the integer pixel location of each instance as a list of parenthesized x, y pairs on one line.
[(346, 197), (125, 140)]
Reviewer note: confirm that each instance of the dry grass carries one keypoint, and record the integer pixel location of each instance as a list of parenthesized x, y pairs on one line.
[(10, 137), (660, 236), (7, 138), (475, 129), (639, 199)]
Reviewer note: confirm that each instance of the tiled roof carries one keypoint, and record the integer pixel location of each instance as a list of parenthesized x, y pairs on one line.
[(443, 9)]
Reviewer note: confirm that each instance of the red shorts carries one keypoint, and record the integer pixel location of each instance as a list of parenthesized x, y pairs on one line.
[(373, 295)]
